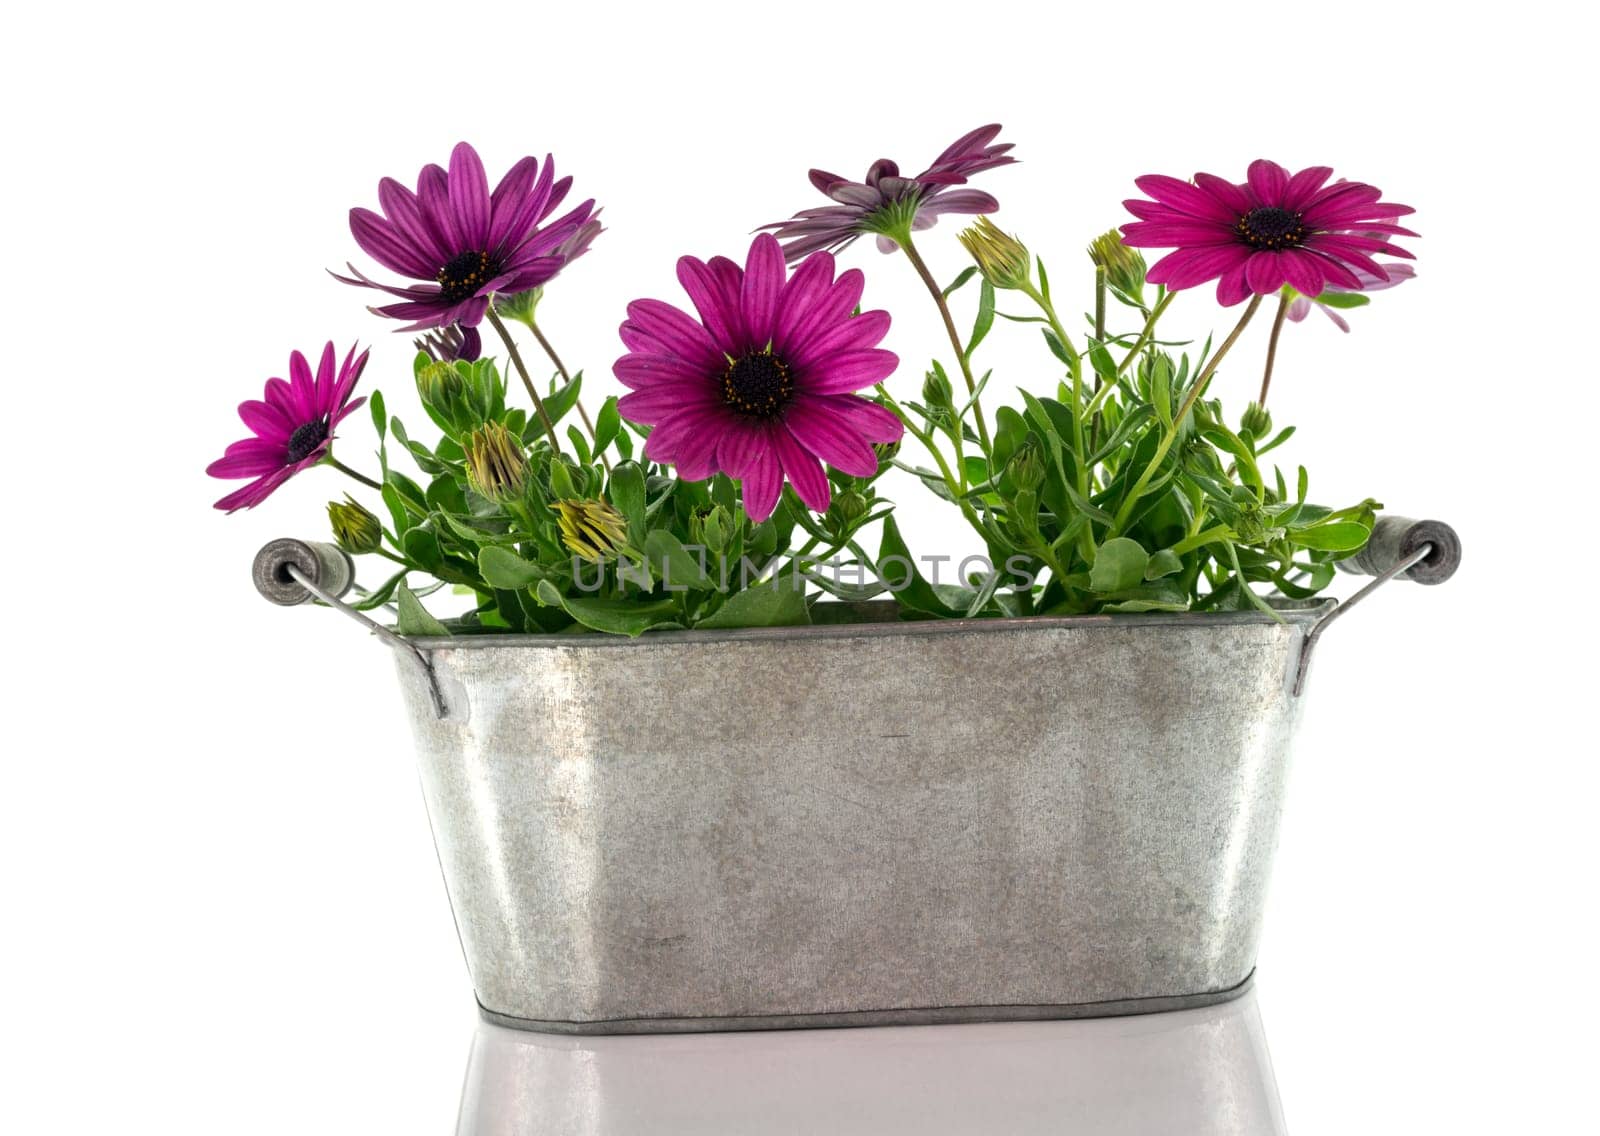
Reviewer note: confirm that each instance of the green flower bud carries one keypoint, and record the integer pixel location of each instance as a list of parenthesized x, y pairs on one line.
[(886, 451), (1003, 260), (719, 530), (1257, 422), (591, 530), (847, 508), (355, 529), (1124, 267), (497, 468), (937, 393), (1026, 468)]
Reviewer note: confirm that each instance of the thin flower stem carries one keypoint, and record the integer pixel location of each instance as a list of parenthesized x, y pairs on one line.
[(344, 469), (904, 240), (1272, 345), (566, 378), (1149, 331), (522, 370), (926, 438), (1075, 367), (1201, 381)]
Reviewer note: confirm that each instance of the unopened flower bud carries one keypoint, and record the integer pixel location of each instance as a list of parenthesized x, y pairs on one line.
[(886, 451), (1004, 261), (591, 530), (1256, 422), (846, 509), (497, 469), (936, 391), (1124, 267), (711, 528), (355, 529), (1026, 467)]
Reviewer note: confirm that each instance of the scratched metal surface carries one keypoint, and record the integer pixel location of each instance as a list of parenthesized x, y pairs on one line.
[(898, 822)]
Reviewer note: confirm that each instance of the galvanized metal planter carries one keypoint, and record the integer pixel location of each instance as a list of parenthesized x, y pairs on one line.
[(859, 824)]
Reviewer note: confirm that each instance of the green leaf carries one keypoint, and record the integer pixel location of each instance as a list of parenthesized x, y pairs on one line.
[(503, 568), (615, 616), (607, 425), (1162, 563), (1345, 300), (965, 275), (985, 320), (898, 570), (1119, 564), (1334, 536), (627, 494), (421, 547), (559, 401), (1056, 347), (380, 420), (674, 565), (780, 602), (414, 618), (580, 444)]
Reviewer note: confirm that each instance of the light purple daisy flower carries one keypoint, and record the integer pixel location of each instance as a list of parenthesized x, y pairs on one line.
[(762, 386), (292, 427), (464, 241), (886, 203), (1301, 306)]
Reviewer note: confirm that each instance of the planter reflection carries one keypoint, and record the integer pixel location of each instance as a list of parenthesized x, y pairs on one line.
[(1199, 1072)]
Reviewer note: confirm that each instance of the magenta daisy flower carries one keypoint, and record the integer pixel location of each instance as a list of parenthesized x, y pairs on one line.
[(1273, 229), (886, 203), (1301, 306), (464, 241), (762, 386), (292, 426)]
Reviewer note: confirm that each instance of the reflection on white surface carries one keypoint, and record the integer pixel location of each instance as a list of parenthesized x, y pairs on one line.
[(1192, 1073)]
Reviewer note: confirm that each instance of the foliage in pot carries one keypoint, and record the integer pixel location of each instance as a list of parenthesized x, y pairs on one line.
[(741, 476)]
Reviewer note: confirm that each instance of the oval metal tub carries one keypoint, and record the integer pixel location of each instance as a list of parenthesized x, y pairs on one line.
[(859, 824)]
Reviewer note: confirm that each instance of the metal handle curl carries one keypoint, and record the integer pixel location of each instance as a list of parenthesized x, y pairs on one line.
[(290, 572)]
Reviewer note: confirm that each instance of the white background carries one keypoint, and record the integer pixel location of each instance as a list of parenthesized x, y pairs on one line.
[(221, 907)]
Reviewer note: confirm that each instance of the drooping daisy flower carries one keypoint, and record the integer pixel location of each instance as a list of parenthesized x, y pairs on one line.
[(886, 203), (293, 426), (1301, 306), (1270, 230), (465, 242), (762, 386), (447, 344)]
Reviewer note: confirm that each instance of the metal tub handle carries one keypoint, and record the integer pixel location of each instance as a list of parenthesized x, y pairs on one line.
[(290, 572), (1424, 552)]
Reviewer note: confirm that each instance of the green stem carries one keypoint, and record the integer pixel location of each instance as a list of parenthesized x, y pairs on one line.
[(1195, 391), (561, 370), (904, 241), (1075, 367), (522, 370), (937, 454), (1272, 345), (1149, 331), (344, 469)]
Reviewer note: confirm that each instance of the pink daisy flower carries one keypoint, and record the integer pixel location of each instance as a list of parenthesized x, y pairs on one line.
[(762, 386), (292, 428), (1273, 229)]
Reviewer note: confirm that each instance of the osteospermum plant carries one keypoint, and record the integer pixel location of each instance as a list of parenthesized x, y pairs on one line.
[(740, 478)]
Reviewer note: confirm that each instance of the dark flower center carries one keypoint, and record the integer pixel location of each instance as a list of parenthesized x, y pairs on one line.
[(304, 441), (464, 275), (757, 385), (1271, 228)]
